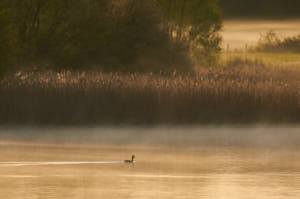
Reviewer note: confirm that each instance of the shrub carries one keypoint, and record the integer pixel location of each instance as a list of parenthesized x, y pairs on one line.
[(270, 42)]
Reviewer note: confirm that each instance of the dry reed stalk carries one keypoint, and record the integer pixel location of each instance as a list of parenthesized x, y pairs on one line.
[(213, 95)]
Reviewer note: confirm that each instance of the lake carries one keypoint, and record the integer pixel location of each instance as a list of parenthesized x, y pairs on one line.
[(171, 162)]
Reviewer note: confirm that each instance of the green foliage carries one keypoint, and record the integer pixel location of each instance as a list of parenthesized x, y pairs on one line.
[(196, 24), (5, 38), (119, 35)]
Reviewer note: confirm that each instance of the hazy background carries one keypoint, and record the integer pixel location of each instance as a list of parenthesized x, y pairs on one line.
[(240, 33), (167, 136), (276, 9)]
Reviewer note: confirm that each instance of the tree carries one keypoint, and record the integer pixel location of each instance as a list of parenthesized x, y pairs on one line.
[(196, 24), (5, 38), (118, 35)]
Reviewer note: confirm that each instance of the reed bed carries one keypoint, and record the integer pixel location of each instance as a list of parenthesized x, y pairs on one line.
[(217, 95)]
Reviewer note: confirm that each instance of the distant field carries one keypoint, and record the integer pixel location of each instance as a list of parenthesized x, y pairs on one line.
[(239, 33), (268, 59)]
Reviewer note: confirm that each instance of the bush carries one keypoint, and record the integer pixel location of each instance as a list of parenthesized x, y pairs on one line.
[(196, 25), (270, 42)]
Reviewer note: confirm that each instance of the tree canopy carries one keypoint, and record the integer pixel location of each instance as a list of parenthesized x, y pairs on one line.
[(119, 35), (196, 24)]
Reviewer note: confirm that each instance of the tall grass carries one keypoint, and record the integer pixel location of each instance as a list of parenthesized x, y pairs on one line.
[(214, 95), (277, 60)]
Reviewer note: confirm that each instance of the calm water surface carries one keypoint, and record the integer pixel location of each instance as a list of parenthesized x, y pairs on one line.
[(196, 162)]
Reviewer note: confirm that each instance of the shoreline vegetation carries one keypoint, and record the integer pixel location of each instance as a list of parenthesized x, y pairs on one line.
[(261, 85), (95, 62), (240, 94)]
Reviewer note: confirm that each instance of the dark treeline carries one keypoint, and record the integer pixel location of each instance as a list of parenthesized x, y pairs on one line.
[(119, 35), (261, 8)]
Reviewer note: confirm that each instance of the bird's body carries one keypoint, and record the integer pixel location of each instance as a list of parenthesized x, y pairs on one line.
[(130, 161)]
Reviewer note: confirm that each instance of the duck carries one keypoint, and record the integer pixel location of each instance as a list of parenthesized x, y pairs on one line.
[(130, 161)]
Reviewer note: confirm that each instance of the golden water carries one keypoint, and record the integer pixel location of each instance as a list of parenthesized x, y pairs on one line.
[(220, 163)]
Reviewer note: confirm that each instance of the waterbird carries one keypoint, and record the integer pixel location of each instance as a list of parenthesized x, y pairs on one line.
[(130, 161)]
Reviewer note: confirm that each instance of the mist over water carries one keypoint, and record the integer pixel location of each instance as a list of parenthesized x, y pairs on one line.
[(193, 136), (171, 162)]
